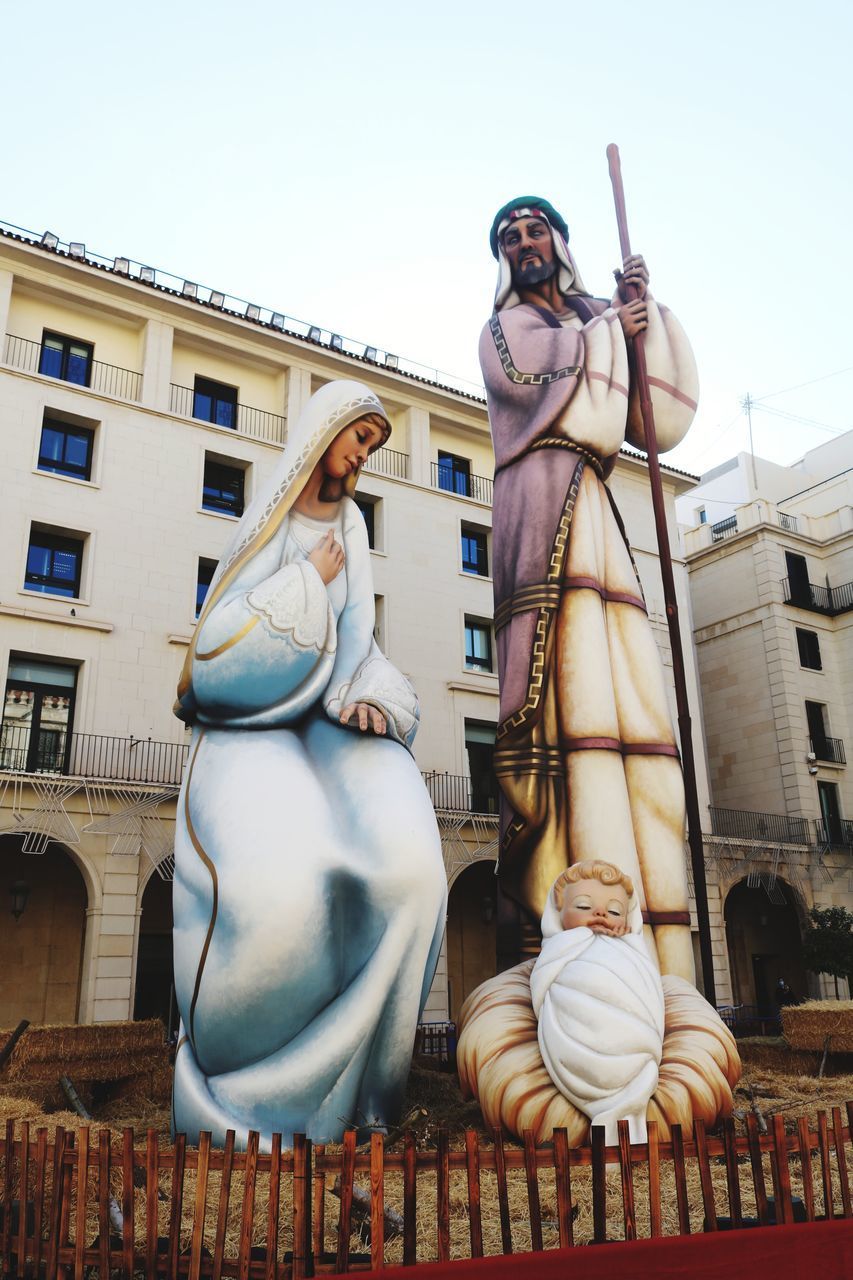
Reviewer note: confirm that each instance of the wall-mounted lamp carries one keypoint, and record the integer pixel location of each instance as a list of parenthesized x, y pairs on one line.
[(391, 362), (370, 353), (813, 769), (253, 311), (314, 334), (146, 275), (49, 240), (190, 289), (277, 321), (217, 299), (77, 249), (19, 892), (122, 266), (336, 342)]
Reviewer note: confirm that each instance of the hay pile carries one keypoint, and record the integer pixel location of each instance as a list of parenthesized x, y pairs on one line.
[(132, 1052), (807, 1025)]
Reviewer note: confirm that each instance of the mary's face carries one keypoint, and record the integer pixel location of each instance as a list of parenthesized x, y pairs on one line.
[(350, 448)]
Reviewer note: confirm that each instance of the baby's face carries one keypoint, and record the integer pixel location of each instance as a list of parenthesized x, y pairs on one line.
[(601, 907)]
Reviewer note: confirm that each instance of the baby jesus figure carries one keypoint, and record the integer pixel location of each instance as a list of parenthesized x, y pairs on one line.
[(598, 997)]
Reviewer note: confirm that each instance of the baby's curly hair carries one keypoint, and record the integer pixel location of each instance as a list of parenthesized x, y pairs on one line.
[(592, 869)]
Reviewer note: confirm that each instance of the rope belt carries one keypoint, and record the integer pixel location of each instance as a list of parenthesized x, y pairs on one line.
[(560, 442)]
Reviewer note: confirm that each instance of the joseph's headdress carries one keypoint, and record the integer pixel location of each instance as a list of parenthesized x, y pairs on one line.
[(568, 277)]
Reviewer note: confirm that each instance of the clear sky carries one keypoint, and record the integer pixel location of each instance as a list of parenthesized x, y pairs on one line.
[(341, 162)]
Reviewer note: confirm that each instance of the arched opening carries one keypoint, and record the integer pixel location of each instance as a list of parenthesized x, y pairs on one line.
[(155, 973), (41, 947), (764, 943), (471, 933)]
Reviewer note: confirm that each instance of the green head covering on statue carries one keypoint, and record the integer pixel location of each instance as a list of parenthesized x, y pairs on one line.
[(526, 207)]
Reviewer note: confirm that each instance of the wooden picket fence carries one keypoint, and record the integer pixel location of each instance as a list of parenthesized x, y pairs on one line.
[(83, 1203)]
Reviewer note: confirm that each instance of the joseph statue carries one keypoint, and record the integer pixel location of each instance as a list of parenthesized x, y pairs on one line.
[(586, 753)]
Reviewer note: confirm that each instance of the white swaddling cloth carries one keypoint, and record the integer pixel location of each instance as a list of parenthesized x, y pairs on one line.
[(599, 1002)]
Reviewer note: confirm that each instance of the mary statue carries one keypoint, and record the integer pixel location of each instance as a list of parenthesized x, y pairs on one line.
[(309, 891)]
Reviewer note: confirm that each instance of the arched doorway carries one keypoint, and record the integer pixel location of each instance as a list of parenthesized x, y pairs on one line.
[(471, 933), (764, 943), (41, 951), (155, 974)]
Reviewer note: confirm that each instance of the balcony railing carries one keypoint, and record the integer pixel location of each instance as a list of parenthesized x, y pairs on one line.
[(91, 755), (388, 462), (837, 832), (479, 488), (460, 794), (786, 522), (107, 379), (828, 600), (257, 423), (724, 529), (745, 824), (830, 750)]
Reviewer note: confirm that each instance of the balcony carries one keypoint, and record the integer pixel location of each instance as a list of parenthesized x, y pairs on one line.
[(255, 423), (828, 750), (772, 828), (826, 600), (459, 794), (388, 462), (106, 379), (837, 832), (461, 484), (92, 755), (724, 529)]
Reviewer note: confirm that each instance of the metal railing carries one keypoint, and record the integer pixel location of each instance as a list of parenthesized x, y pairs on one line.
[(724, 529), (459, 794), (91, 755), (837, 832), (747, 824), (828, 600), (107, 379), (830, 750), (480, 488), (257, 423), (388, 462), (786, 522)]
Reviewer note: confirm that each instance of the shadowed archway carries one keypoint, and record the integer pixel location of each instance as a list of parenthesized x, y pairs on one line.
[(471, 932), (764, 940)]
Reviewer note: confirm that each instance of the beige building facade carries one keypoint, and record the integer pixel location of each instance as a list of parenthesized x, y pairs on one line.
[(139, 415), (771, 581)]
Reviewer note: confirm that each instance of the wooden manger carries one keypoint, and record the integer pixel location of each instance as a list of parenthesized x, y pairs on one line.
[(186, 1212)]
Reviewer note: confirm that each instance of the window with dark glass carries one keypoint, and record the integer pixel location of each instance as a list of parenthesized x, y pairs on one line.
[(223, 488), (830, 812), (37, 716), (454, 473), (816, 718), (475, 551), (66, 450), (53, 564), (66, 358), (206, 570), (809, 647), (799, 588), (368, 510), (480, 748), (478, 645), (215, 402)]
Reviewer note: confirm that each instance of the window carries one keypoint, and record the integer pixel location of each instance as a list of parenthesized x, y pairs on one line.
[(65, 449), (822, 745), (454, 474), (799, 589), (37, 716), (53, 564), (475, 551), (206, 570), (830, 811), (702, 514), (66, 358), (478, 645), (367, 507), (809, 647), (379, 621), (215, 402), (223, 487), (480, 746)]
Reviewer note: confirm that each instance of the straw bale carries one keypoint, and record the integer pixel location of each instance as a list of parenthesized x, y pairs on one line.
[(101, 1051), (807, 1025)]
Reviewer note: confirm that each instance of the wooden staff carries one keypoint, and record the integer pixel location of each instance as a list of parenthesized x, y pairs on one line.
[(694, 822)]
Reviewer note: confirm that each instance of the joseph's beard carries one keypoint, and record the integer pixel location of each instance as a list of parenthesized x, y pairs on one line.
[(534, 273)]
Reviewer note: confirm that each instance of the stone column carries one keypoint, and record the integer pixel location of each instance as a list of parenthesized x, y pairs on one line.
[(157, 365), (298, 393), (417, 438), (6, 279)]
